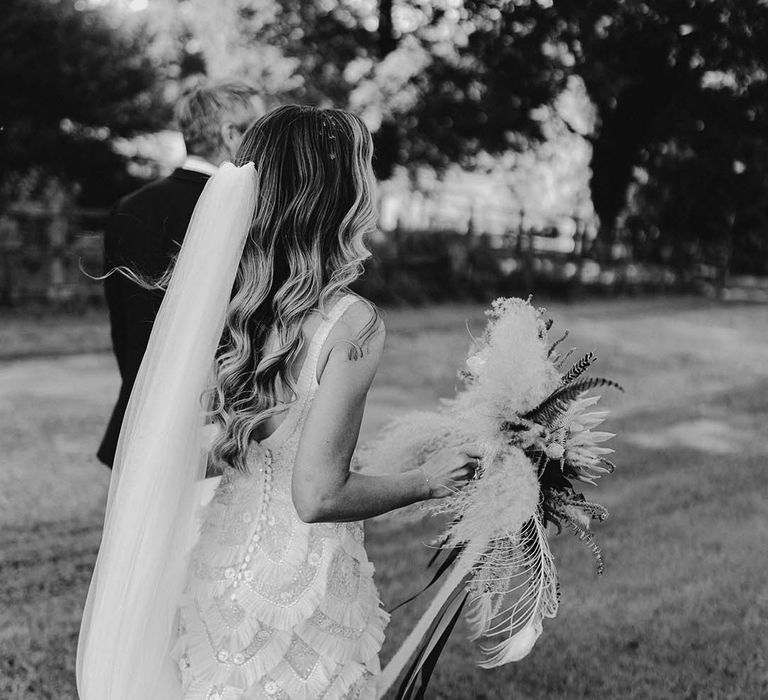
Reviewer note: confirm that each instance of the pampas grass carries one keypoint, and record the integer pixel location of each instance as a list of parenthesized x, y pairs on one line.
[(507, 373), (498, 504)]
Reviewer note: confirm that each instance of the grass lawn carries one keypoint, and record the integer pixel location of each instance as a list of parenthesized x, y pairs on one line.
[(681, 612)]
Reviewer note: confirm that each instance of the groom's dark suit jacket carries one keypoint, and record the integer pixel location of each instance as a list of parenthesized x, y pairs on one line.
[(144, 231)]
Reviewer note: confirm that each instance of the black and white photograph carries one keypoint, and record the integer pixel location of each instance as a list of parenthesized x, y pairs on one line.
[(383, 350)]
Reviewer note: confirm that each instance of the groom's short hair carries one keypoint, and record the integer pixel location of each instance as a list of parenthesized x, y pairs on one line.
[(201, 111)]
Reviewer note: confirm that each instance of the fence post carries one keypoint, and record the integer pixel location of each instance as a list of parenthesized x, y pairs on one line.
[(56, 231), (10, 243)]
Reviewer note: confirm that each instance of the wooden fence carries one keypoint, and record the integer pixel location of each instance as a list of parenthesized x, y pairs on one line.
[(46, 251), (43, 252)]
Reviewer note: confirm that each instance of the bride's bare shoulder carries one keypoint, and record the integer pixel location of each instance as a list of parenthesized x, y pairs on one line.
[(360, 313), (359, 333), (361, 324)]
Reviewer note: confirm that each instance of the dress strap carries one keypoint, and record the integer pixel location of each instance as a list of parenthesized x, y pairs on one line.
[(307, 379), (322, 333)]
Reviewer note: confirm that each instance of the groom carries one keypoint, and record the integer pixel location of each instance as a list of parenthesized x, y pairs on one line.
[(147, 227)]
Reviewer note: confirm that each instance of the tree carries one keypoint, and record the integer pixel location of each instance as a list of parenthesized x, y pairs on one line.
[(679, 89), (72, 82), (704, 199)]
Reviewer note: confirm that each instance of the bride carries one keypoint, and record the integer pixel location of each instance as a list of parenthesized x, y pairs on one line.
[(265, 592)]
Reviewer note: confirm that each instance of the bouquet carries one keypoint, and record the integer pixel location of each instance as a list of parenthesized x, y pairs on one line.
[(530, 408)]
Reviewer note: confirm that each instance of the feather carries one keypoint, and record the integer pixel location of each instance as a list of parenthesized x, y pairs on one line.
[(579, 368), (517, 647), (560, 400), (479, 615), (513, 589)]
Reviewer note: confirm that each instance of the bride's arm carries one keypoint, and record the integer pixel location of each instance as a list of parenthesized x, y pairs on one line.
[(323, 488)]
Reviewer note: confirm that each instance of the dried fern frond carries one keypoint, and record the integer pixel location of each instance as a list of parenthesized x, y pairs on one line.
[(594, 510), (556, 343), (560, 360), (588, 539)]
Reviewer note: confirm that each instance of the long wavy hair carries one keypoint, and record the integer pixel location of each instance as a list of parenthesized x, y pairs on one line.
[(316, 204)]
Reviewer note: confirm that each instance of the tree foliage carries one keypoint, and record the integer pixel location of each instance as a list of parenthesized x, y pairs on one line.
[(72, 81), (680, 90), (450, 82)]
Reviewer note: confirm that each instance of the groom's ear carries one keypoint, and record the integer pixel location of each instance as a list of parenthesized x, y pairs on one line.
[(230, 135)]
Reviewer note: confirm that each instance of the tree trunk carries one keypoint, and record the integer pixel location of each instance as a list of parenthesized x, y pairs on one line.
[(639, 119), (386, 138), (387, 41)]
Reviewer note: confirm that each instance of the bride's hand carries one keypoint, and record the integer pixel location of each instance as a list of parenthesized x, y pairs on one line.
[(450, 468)]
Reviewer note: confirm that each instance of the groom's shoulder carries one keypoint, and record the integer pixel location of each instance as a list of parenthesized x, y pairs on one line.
[(162, 193), (139, 201)]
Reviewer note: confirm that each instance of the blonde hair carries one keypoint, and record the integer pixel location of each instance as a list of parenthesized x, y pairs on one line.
[(200, 112), (316, 203)]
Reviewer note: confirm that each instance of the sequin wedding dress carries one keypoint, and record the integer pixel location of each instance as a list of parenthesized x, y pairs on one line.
[(274, 607)]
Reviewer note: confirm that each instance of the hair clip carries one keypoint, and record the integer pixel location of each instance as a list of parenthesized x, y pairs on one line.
[(328, 128)]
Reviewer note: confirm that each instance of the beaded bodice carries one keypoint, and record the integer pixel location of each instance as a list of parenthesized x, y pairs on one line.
[(275, 605)]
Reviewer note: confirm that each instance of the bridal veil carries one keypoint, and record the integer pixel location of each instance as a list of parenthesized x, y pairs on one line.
[(129, 615)]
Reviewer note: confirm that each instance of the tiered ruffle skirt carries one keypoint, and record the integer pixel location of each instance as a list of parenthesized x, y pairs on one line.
[(275, 608)]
